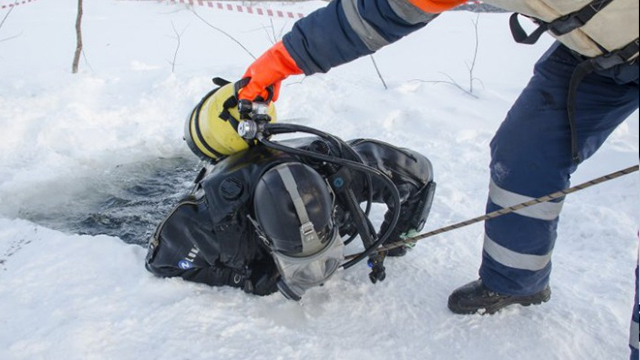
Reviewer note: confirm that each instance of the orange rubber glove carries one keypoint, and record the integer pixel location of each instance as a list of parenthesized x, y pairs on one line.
[(269, 69)]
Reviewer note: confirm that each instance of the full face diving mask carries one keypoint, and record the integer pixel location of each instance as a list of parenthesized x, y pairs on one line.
[(294, 208), (301, 273)]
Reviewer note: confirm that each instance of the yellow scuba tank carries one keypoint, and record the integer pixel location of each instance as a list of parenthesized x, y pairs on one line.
[(211, 132)]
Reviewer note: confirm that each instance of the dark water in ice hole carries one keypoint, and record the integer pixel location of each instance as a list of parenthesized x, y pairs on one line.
[(128, 203)]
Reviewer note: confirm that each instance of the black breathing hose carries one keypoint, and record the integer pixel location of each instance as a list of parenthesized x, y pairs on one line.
[(275, 128)]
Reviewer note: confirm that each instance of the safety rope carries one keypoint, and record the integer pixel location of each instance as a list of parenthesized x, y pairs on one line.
[(508, 210)]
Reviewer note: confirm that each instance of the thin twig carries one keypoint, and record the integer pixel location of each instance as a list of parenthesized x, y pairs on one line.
[(378, 71), (10, 37), (273, 31), (224, 32), (273, 37), (6, 16), (475, 54), (297, 82), (450, 82), (2, 23), (179, 39), (471, 67), (282, 29), (270, 37), (86, 60)]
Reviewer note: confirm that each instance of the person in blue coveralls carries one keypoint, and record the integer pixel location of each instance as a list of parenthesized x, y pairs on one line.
[(583, 87)]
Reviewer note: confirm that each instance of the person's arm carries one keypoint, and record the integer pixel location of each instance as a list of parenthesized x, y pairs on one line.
[(339, 33)]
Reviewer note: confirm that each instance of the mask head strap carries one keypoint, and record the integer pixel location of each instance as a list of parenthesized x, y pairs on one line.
[(311, 242)]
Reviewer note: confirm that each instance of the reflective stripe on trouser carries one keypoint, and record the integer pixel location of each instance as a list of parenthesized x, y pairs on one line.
[(633, 333), (531, 157)]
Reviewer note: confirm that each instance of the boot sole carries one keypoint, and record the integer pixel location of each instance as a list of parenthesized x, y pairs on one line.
[(535, 299)]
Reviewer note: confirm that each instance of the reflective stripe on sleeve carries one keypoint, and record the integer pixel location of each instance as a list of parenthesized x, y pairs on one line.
[(542, 211), (365, 31), (513, 259), (633, 335), (410, 13)]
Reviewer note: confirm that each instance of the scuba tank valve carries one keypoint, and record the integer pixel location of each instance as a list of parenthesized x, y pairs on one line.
[(255, 116)]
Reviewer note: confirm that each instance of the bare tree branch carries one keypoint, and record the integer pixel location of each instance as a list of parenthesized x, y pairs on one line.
[(76, 57), (470, 67), (86, 60), (273, 30), (179, 39), (272, 36), (297, 82), (450, 82), (475, 54), (10, 37), (6, 16), (224, 33), (282, 29), (2, 23), (379, 74)]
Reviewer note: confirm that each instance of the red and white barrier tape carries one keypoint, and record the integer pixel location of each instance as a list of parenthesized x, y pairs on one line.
[(215, 4), (16, 3), (240, 8)]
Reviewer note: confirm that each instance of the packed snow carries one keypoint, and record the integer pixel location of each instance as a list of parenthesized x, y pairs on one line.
[(69, 144)]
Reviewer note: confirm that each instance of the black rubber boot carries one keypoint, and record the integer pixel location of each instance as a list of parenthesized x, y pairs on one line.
[(476, 298)]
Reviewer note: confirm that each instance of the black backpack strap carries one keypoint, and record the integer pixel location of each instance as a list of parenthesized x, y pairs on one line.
[(558, 27), (521, 36), (578, 19), (626, 55)]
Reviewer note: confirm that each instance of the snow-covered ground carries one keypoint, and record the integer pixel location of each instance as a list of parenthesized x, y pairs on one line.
[(70, 142)]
